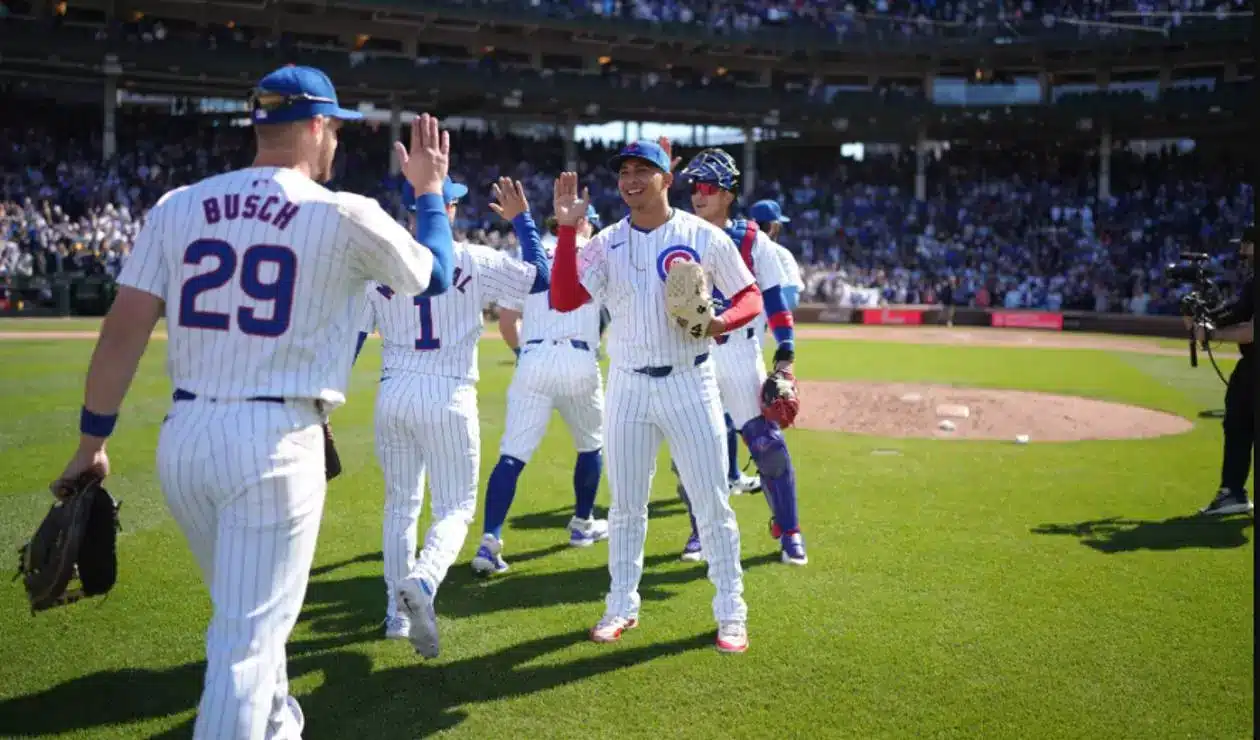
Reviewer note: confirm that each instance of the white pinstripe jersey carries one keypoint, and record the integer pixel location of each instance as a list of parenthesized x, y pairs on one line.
[(791, 270), (624, 268), (540, 321), (263, 271), (769, 273), (439, 335)]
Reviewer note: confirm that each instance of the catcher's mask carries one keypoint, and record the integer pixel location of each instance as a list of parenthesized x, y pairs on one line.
[(712, 167)]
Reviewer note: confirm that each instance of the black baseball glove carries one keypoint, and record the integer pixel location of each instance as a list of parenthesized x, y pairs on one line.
[(77, 539), (332, 460)]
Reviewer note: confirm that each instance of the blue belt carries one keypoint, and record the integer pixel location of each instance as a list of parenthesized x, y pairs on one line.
[(750, 332), (661, 371), (578, 343), (182, 395)]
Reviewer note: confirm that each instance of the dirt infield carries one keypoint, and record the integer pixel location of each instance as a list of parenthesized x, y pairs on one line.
[(944, 412)]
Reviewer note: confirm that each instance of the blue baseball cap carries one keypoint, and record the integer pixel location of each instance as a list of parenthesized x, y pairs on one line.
[(592, 217), (295, 94), (767, 211), (648, 151), (451, 192)]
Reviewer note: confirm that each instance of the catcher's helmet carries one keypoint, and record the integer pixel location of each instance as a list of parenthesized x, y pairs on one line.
[(713, 165)]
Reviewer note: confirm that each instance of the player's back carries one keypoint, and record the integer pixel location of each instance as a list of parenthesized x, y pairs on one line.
[(439, 335), (261, 297)]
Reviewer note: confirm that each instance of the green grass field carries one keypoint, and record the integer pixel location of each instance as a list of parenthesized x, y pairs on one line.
[(957, 589)]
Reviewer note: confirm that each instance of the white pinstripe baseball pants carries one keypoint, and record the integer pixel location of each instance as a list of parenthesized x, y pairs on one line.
[(245, 482), (683, 409), (426, 424)]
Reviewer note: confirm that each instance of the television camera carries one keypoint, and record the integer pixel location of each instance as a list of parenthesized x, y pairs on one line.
[(1200, 303)]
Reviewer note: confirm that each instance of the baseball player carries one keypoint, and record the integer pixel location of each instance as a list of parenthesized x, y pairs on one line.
[(741, 371), (661, 382), (258, 272), (770, 219), (556, 369), (426, 418)]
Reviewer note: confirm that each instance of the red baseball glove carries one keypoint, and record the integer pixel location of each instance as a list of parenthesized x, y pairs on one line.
[(780, 398)]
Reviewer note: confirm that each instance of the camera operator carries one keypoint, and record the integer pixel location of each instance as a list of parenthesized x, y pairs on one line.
[(1233, 323)]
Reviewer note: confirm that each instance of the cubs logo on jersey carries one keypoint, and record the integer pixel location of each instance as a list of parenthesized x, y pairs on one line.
[(669, 255)]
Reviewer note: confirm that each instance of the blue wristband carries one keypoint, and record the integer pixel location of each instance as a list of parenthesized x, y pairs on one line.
[(96, 425)]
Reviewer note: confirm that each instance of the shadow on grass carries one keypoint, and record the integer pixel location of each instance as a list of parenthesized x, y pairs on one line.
[(559, 518), (358, 603), (1117, 535), (405, 702)]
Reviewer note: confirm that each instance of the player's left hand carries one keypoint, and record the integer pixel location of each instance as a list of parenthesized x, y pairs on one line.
[(510, 195), (87, 459)]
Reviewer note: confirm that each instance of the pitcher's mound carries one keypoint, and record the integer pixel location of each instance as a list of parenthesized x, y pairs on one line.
[(944, 412)]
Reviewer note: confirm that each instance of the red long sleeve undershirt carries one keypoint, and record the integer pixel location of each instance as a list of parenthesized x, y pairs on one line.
[(745, 306), (568, 294)]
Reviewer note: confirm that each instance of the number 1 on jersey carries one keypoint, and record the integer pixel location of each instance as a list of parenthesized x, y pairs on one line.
[(426, 340)]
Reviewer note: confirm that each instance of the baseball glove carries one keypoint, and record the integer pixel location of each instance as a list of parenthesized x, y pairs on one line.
[(687, 298), (332, 460), (780, 398), (77, 539)]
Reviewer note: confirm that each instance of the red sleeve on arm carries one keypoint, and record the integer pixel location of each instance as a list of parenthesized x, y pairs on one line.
[(745, 306), (567, 293)]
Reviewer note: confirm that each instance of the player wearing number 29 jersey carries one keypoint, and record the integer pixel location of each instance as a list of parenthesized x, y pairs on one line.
[(261, 272)]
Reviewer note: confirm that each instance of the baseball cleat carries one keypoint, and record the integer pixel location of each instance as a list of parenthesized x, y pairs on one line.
[(793, 547), (732, 637), (586, 532), (397, 627), (416, 598), (1228, 502), (691, 551), (487, 561), (610, 629), (745, 484)]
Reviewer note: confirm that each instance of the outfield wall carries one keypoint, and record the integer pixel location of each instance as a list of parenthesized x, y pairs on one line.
[(91, 296), (1106, 323)]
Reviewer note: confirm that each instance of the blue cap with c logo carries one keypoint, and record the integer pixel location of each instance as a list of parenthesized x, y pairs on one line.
[(296, 93)]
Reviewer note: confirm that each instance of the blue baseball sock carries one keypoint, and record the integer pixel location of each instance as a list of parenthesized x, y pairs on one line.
[(682, 494), (500, 490), (586, 472), (732, 454)]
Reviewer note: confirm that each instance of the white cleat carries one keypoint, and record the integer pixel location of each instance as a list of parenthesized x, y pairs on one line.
[(416, 599), (745, 484), (397, 627), (586, 532), (732, 637), (610, 629), (488, 560)]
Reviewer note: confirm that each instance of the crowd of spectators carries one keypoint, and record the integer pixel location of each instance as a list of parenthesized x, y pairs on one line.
[(913, 18), (1011, 228)]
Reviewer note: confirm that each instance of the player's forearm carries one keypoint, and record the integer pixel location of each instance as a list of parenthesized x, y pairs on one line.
[(508, 329), (567, 293), (744, 307), (113, 367), (781, 322), (433, 230), (532, 251)]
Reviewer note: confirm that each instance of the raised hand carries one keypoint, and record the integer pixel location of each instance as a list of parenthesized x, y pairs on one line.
[(669, 152), (426, 164), (569, 208), (510, 195)]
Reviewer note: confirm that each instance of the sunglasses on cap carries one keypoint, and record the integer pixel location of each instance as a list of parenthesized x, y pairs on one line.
[(705, 188), (268, 101)]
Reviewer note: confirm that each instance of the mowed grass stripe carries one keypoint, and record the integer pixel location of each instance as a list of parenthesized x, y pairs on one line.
[(955, 589)]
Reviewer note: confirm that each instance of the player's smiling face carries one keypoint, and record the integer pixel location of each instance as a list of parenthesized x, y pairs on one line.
[(710, 202), (640, 183)]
